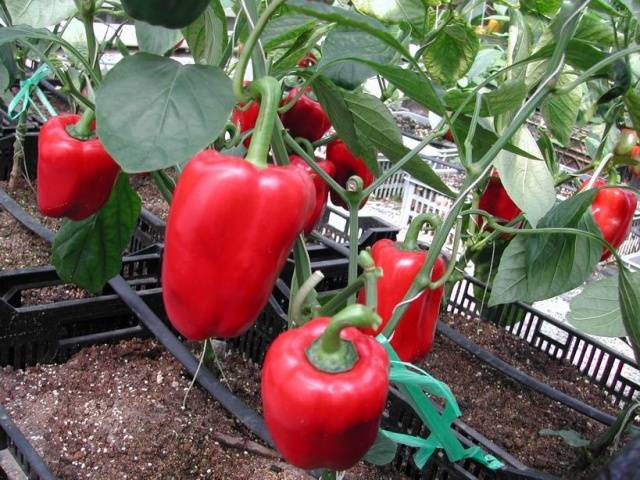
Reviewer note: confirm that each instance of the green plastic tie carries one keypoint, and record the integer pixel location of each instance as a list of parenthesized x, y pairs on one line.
[(23, 97), (415, 382)]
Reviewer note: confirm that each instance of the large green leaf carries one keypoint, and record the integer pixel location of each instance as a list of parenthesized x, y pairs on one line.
[(285, 28), (349, 18), (596, 310), (153, 113), (393, 11), (40, 13), (557, 263), (89, 252), (560, 112), (542, 266), (374, 122), (632, 102), (156, 39), (595, 29), (494, 102), (346, 42), (207, 36), (528, 182), (452, 52), (630, 307)]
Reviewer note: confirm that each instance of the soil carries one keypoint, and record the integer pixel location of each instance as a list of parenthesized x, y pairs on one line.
[(151, 198), (510, 414), (114, 411)]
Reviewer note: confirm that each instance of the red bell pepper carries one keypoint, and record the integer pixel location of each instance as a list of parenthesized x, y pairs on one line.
[(308, 60), (306, 118), (401, 262), (497, 202), (324, 388), (246, 119), (75, 177), (230, 229), (347, 165), (613, 210), (231, 226), (322, 189)]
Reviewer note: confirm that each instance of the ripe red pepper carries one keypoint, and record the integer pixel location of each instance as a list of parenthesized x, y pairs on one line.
[(497, 202), (75, 177), (628, 139), (246, 119), (231, 226), (324, 388), (347, 165), (413, 337), (613, 210), (322, 189), (308, 60), (306, 118)]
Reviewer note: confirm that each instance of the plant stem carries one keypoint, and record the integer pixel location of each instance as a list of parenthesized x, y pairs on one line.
[(243, 61), (82, 130), (300, 299), (353, 243), (267, 91), (18, 151), (162, 186), (411, 237)]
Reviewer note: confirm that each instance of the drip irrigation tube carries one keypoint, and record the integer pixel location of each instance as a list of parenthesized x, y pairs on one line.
[(522, 378)]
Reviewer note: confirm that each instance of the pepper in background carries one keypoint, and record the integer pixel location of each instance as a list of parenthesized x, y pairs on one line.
[(308, 60), (613, 210), (246, 119), (347, 165), (497, 202), (413, 336), (324, 388), (166, 13), (230, 229), (628, 139), (75, 177), (306, 118), (635, 157), (322, 189)]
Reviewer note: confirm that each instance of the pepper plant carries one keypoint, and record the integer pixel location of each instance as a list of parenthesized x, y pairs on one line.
[(244, 149)]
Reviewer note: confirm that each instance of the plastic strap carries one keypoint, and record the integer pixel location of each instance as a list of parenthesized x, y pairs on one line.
[(415, 382), (23, 97)]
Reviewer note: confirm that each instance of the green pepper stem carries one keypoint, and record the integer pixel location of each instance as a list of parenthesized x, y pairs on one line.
[(267, 91), (332, 354), (306, 144), (82, 130), (411, 238), (297, 317)]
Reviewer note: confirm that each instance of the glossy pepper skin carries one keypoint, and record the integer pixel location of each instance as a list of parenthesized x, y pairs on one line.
[(75, 177), (347, 165), (231, 226), (165, 13), (497, 202), (246, 119), (628, 139), (613, 210), (413, 337), (306, 118), (321, 189), (319, 419)]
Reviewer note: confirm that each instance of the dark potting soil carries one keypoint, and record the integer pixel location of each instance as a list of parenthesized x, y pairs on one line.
[(151, 198), (509, 414), (114, 411)]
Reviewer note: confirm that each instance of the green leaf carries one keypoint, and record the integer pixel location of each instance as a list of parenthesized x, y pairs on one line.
[(349, 18), (5, 78), (89, 252), (285, 28), (545, 7), (393, 11), (557, 263), (560, 112), (494, 102), (595, 29), (571, 437), (528, 182), (207, 36), (630, 306), (632, 102), (374, 122), (596, 310), (538, 267), (345, 42), (382, 452), (451, 53), (40, 13), (153, 112), (155, 39)]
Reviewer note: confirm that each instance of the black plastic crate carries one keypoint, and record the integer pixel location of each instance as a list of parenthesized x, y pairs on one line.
[(48, 332), (334, 225), (148, 233)]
